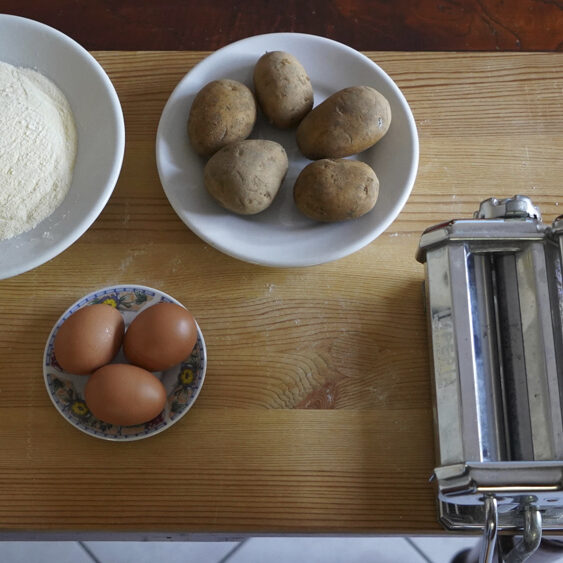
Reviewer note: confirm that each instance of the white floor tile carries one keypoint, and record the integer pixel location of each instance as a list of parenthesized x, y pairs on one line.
[(442, 549), (326, 550), (42, 552), (151, 552)]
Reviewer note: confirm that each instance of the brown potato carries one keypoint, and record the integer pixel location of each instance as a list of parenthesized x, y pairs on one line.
[(245, 177), (336, 190), (283, 89), (346, 123), (223, 112)]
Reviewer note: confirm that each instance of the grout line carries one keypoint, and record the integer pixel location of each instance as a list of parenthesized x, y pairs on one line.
[(233, 551), (418, 550), (89, 552)]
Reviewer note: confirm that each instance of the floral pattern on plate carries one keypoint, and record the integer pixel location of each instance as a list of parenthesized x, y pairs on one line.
[(182, 382)]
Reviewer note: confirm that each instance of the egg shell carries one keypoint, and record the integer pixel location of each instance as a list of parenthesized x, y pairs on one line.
[(160, 337), (124, 395), (89, 339)]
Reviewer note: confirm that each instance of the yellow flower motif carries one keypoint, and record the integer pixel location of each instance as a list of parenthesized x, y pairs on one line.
[(187, 376), (110, 302), (79, 408)]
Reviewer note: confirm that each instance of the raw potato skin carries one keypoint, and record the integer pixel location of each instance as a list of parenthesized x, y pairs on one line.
[(245, 177), (346, 123), (283, 89), (336, 190), (223, 112)]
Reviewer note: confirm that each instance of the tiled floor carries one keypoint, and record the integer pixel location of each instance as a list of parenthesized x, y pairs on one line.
[(253, 550)]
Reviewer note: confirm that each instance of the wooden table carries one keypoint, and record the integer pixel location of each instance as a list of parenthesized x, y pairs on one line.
[(315, 416)]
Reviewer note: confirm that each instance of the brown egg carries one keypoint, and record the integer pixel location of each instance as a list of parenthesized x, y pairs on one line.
[(160, 337), (89, 339), (124, 395)]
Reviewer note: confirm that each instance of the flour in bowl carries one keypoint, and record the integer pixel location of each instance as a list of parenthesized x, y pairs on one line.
[(38, 144)]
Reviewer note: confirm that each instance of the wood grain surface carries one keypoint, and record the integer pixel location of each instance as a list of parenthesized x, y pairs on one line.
[(315, 416), (405, 25)]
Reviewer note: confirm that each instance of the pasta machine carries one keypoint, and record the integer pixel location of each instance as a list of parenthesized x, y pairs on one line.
[(494, 298)]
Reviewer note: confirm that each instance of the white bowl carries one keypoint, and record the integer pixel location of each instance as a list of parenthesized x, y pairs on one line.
[(101, 138), (281, 236)]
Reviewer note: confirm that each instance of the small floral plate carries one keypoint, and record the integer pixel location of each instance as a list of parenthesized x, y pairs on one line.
[(182, 382)]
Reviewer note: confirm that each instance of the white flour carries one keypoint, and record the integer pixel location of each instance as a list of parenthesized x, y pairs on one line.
[(37, 149)]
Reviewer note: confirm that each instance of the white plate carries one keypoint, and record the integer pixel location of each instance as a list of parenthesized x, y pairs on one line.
[(281, 236), (182, 382), (101, 138)]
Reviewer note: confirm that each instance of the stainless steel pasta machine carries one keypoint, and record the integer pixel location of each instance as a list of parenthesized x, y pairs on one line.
[(494, 297)]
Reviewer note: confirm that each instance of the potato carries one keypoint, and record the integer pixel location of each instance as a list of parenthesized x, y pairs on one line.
[(223, 112), (348, 122), (336, 190), (283, 89), (245, 177)]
